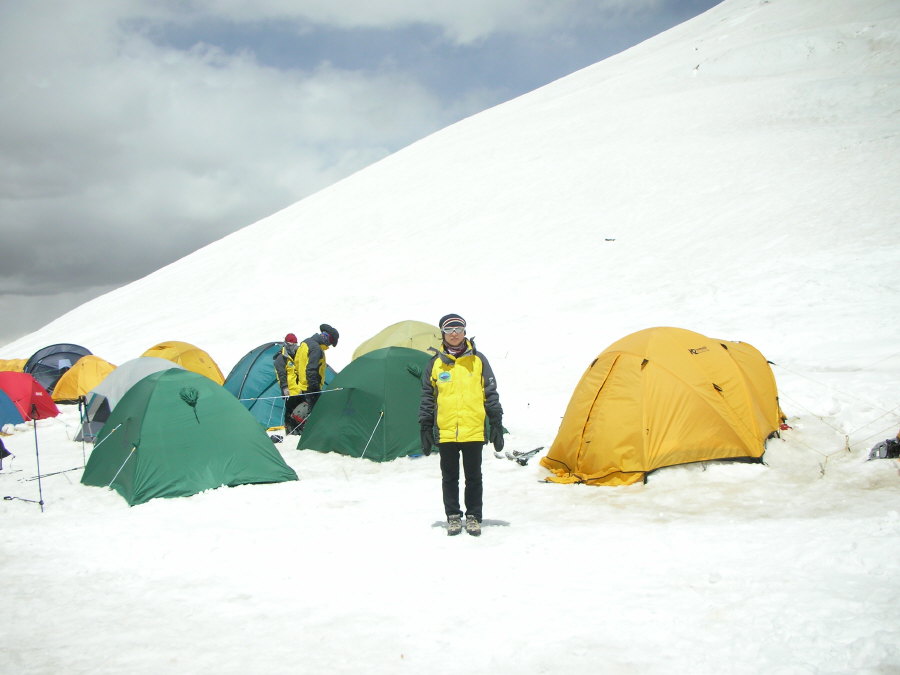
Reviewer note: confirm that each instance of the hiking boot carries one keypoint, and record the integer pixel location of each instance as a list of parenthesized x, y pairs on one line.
[(473, 527), (454, 525)]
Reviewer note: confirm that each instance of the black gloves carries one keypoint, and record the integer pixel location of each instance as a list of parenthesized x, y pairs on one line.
[(427, 436), (497, 433)]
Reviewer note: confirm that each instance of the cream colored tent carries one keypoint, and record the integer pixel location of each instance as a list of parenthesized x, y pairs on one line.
[(660, 397), (409, 334), (87, 373), (189, 357)]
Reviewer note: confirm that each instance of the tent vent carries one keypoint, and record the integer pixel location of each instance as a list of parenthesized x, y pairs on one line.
[(698, 350), (190, 396)]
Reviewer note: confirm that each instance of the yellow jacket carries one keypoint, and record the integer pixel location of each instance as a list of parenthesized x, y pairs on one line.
[(458, 394), (301, 367)]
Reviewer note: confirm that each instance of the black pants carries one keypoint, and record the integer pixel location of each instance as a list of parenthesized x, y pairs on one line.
[(471, 457)]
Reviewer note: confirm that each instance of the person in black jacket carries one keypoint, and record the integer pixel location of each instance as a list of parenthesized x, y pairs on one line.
[(300, 369)]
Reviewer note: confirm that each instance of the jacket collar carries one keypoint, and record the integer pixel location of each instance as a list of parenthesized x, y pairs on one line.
[(449, 359)]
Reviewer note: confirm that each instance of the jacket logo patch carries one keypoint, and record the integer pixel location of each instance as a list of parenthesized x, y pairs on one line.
[(444, 377)]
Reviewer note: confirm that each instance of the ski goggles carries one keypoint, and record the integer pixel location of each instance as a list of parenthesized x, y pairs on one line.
[(455, 330)]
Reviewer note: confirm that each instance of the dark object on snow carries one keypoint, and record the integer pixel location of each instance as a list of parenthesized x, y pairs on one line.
[(275, 438), (887, 449), (3, 453)]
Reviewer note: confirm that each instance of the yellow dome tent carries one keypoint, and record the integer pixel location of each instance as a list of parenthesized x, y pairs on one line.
[(409, 334), (84, 375), (13, 365), (664, 396), (189, 357)]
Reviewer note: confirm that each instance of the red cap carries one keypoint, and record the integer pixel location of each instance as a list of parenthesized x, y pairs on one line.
[(290, 337)]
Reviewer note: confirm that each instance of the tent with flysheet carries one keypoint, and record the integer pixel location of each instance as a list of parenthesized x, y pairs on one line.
[(176, 433), (49, 364), (253, 382), (15, 365), (409, 334), (77, 381), (9, 413), (661, 397), (189, 357), (30, 398), (372, 410), (100, 401)]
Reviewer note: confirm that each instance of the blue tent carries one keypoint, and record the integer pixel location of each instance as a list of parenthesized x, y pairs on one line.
[(9, 414), (47, 365), (253, 382)]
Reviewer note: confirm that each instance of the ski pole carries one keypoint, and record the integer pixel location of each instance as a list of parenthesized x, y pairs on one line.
[(53, 473), (37, 456)]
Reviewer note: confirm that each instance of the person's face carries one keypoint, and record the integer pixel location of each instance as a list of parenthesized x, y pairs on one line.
[(455, 337)]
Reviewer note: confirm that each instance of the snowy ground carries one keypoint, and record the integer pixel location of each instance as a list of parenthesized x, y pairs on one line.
[(786, 568), (736, 176)]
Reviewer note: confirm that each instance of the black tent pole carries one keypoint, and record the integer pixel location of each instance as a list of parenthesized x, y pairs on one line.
[(37, 455), (82, 413)]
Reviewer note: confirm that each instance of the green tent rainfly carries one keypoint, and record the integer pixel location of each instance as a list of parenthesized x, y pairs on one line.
[(374, 412), (176, 433)]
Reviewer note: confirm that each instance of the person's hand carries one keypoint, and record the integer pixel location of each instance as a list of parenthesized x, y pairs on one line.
[(284, 391), (427, 436), (497, 433)]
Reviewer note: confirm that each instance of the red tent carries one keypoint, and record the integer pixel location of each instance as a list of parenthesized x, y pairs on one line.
[(29, 397)]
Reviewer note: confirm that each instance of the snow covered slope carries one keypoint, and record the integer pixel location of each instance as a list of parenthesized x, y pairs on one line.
[(736, 176)]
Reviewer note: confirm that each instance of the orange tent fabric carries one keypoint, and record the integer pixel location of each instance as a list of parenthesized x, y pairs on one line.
[(13, 365), (660, 397), (87, 373), (189, 357)]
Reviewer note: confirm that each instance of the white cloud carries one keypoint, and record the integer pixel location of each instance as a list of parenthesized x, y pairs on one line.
[(153, 151)]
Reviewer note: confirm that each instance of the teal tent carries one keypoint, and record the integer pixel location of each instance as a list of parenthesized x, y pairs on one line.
[(9, 413), (252, 381), (373, 410), (176, 433)]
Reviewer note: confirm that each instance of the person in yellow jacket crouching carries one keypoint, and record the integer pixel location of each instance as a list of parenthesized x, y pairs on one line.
[(300, 370), (459, 395)]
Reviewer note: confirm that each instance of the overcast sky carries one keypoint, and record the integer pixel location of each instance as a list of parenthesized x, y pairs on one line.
[(133, 132)]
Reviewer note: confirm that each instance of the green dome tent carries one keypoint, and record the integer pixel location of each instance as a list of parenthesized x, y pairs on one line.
[(176, 433), (375, 412)]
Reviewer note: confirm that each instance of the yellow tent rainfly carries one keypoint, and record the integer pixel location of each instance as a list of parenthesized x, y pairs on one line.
[(77, 381), (189, 357), (660, 397)]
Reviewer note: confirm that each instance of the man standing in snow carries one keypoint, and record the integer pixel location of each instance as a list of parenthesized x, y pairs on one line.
[(300, 370), (459, 393)]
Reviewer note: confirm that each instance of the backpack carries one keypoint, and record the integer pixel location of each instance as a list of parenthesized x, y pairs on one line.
[(887, 449)]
